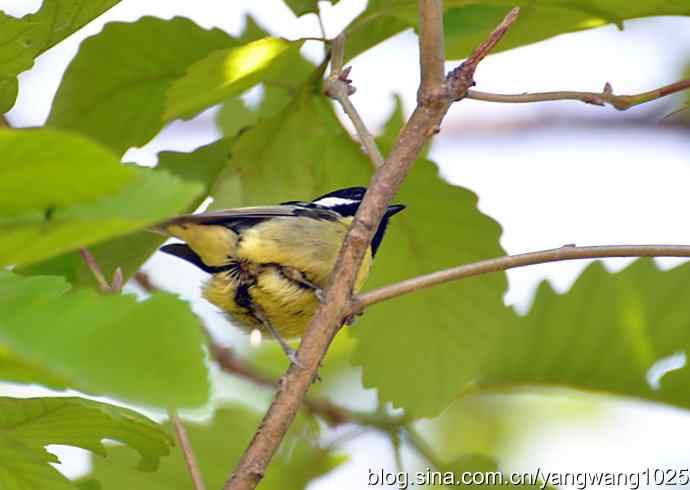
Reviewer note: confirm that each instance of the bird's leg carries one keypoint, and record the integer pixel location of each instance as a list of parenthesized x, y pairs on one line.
[(297, 276), (289, 351)]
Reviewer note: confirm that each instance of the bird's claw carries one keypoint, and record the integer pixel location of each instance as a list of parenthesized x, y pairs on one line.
[(292, 357)]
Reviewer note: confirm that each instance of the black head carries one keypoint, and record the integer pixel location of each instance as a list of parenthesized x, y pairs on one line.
[(346, 203)]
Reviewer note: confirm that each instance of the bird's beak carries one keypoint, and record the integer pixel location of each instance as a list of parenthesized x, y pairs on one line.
[(394, 209)]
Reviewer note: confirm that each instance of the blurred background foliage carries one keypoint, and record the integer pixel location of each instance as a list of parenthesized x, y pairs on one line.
[(449, 378)]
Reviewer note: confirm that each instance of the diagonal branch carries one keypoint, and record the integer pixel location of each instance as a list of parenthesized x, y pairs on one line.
[(606, 96), (387, 179), (567, 252), (339, 87), (187, 452)]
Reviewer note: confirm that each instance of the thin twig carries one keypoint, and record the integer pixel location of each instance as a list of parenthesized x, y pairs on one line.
[(95, 269), (462, 78), (322, 27), (294, 384), (567, 252), (606, 96), (339, 87), (315, 38), (187, 451), (329, 412), (415, 439)]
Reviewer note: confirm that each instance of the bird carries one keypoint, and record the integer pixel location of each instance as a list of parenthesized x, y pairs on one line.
[(268, 265)]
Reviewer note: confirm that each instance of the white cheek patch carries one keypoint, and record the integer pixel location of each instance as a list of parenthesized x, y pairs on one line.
[(331, 202)]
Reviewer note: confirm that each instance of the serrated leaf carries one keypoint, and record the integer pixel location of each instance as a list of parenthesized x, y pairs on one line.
[(603, 335), (64, 192), (225, 73), (23, 39), (252, 31), (124, 107), (217, 446), (148, 352), (129, 252), (467, 25), (413, 348), (24, 469), (72, 421)]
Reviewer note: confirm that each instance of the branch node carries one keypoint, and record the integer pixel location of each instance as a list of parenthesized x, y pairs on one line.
[(461, 78)]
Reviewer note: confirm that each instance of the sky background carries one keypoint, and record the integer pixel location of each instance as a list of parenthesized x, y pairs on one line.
[(550, 174)]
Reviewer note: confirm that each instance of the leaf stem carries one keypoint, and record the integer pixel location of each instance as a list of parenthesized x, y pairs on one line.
[(187, 451), (95, 269), (415, 439), (606, 96), (567, 252)]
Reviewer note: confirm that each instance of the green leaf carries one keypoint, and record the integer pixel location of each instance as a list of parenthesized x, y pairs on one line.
[(129, 252), (217, 446), (80, 194), (124, 107), (467, 25), (252, 31), (71, 421), (301, 7), (234, 115), (22, 468), (50, 163), (27, 425), (315, 155), (603, 335), (22, 40), (413, 349), (279, 89), (225, 73), (148, 352)]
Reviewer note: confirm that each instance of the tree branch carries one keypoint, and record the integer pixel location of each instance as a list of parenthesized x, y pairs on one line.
[(424, 122), (431, 51), (186, 447), (620, 102), (339, 87), (567, 252)]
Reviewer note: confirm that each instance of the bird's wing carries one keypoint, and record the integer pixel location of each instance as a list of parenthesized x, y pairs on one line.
[(248, 216)]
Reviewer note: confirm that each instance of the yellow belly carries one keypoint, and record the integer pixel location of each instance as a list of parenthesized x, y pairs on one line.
[(287, 305)]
